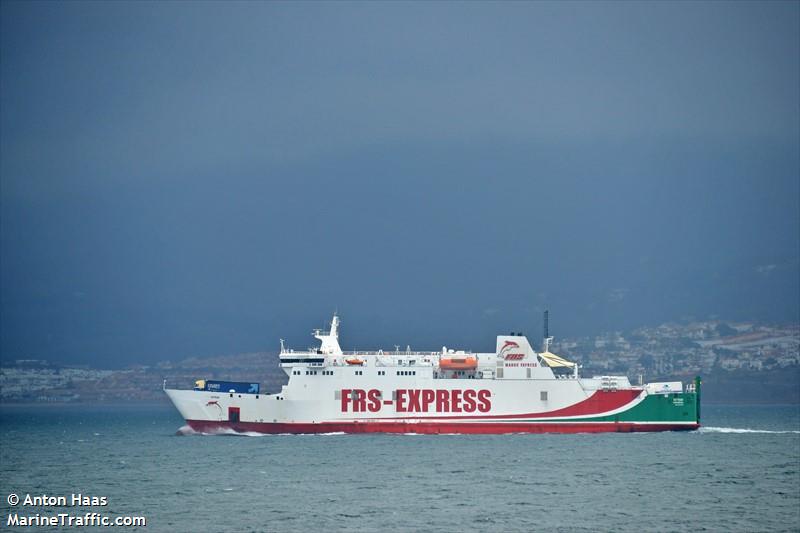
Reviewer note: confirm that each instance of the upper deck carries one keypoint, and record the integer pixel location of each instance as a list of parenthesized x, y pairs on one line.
[(514, 358)]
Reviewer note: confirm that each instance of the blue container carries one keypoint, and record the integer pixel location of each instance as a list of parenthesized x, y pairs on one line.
[(235, 386)]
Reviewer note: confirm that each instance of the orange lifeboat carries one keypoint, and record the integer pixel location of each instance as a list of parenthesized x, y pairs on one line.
[(354, 361), (458, 363)]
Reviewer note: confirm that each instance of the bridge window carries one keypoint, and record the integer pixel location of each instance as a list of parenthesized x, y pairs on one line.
[(543, 395)]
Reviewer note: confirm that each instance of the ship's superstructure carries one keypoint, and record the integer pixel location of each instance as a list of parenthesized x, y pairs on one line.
[(515, 389)]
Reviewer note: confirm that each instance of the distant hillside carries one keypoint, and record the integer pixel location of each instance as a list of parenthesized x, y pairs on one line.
[(38, 383), (48, 383), (739, 363), (743, 386)]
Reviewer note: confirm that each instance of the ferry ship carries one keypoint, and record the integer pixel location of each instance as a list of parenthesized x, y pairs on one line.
[(513, 390)]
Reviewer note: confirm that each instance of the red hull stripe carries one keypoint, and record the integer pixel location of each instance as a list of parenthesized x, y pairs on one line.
[(207, 426), (598, 403)]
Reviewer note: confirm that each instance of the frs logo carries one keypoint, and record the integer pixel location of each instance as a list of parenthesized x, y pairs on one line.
[(507, 348)]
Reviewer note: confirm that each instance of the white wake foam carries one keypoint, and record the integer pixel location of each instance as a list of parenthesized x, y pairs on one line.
[(711, 429), (188, 431)]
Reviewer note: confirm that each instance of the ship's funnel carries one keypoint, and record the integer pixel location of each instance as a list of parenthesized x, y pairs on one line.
[(513, 347), (546, 324), (546, 339)]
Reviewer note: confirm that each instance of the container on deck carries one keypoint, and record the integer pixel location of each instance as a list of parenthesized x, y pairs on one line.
[(235, 386)]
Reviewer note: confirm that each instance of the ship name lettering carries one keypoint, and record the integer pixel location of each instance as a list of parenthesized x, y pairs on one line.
[(419, 401)]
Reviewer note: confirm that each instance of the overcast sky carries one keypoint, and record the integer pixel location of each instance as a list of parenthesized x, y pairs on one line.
[(203, 178)]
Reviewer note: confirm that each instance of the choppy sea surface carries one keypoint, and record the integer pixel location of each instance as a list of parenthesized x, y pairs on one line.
[(741, 472)]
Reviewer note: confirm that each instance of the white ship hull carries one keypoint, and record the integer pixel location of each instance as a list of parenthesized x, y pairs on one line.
[(329, 391)]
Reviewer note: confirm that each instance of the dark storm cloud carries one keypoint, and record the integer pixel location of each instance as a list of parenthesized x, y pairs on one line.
[(186, 178)]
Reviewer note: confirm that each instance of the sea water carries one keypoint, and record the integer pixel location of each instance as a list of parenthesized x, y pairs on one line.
[(740, 472)]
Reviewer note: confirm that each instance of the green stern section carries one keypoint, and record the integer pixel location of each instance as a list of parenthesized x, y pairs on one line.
[(673, 407), (679, 407)]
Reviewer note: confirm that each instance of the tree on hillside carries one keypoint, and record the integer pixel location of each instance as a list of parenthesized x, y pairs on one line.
[(647, 361), (724, 330)]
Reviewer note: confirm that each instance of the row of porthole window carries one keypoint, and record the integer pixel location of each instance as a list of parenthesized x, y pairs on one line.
[(357, 372), (324, 372)]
